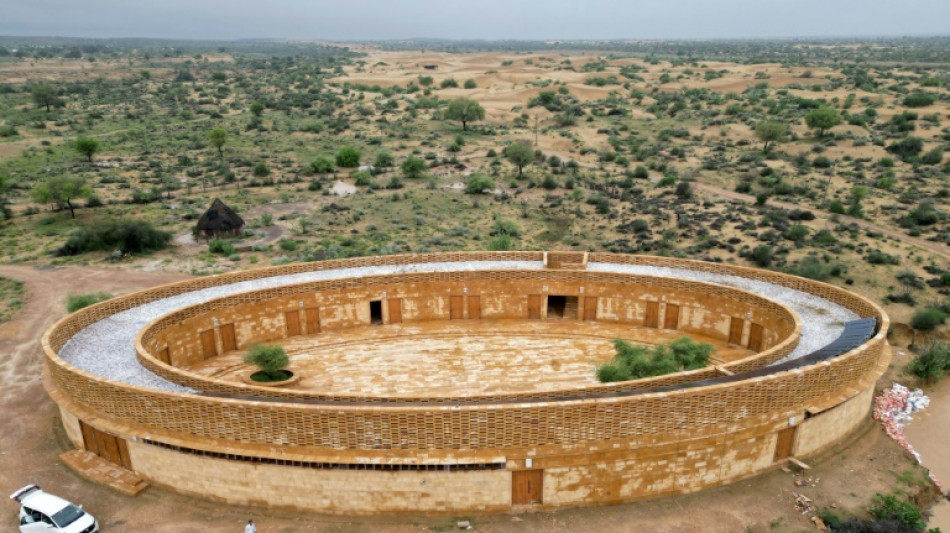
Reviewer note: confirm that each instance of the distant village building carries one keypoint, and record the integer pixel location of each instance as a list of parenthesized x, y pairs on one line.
[(219, 221)]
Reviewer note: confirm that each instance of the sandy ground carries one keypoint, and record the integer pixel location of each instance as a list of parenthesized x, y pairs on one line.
[(31, 439), (927, 433), (939, 249), (461, 358)]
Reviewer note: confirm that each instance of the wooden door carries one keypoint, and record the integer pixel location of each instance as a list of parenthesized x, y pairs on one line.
[(105, 445), (534, 306), (395, 310), (124, 459), (474, 307), (164, 356), (672, 318), (108, 447), (208, 349), (590, 308), (313, 320), (755, 337), (292, 319), (228, 340), (456, 307), (735, 330), (527, 487), (89, 437), (652, 318), (784, 443)]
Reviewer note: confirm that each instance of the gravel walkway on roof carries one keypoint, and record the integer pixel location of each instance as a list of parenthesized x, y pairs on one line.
[(107, 348)]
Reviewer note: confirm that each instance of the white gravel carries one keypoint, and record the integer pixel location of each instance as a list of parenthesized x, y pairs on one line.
[(107, 347), (822, 320)]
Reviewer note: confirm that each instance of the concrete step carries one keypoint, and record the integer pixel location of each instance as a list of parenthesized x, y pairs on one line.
[(98, 470)]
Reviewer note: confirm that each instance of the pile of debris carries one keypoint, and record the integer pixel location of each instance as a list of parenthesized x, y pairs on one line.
[(893, 408), (806, 507)]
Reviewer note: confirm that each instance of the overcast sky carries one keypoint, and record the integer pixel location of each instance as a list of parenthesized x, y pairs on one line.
[(343, 20)]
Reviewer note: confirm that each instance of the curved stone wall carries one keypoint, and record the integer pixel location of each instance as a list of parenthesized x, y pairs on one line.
[(175, 340), (483, 455)]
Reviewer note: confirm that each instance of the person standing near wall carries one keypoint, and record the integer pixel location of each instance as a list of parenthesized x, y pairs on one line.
[(250, 527)]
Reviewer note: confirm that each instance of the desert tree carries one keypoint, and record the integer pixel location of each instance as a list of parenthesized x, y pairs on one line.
[(822, 119), (87, 146), (218, 137), (770, 131), (520, 154), (464, 110), (45, 95), (62, 190)]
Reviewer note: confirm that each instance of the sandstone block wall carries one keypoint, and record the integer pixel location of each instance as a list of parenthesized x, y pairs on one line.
[(588, 450)]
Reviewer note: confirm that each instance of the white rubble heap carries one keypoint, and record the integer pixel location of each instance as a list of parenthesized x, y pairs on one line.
[(107, 348)]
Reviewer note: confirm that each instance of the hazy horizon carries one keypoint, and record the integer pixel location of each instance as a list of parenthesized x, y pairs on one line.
[(368, 20)]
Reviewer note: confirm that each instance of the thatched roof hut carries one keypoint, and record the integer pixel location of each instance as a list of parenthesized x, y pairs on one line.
[(219, 221)]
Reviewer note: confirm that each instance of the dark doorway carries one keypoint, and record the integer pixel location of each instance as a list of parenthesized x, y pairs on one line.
[(376, 312), (562, 306)]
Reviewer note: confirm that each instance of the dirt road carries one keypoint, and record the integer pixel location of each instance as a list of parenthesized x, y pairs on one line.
[(31, 439)]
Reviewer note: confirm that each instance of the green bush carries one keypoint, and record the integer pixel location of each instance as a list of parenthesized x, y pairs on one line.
[(635, 362), (348, 157), (919, 100), (270, 358), (478, 184), (362, 178), (220, 247), (506, 227), (932, 363), (877, 257), (261, 170), (927, 319), (384, 159), (320, 165), (501, 243), (413, 167), (932, 157), (907, 148), (762, 255), (892, 508), (812, 268), (126, 236), (796, 233), (75, 302)]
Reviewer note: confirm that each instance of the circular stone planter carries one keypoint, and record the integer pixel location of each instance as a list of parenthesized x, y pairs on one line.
[(294, 378)]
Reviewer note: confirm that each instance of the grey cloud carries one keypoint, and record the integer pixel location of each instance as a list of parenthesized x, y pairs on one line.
[(481, 19)]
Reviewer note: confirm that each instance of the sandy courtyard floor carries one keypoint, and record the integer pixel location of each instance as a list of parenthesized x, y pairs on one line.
[(457, 358)]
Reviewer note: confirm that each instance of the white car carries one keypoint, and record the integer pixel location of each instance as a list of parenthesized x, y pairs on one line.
[(41, 511)]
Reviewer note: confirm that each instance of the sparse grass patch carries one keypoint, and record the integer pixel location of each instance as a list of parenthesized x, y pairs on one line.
[(75, 302), (12, 292)]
